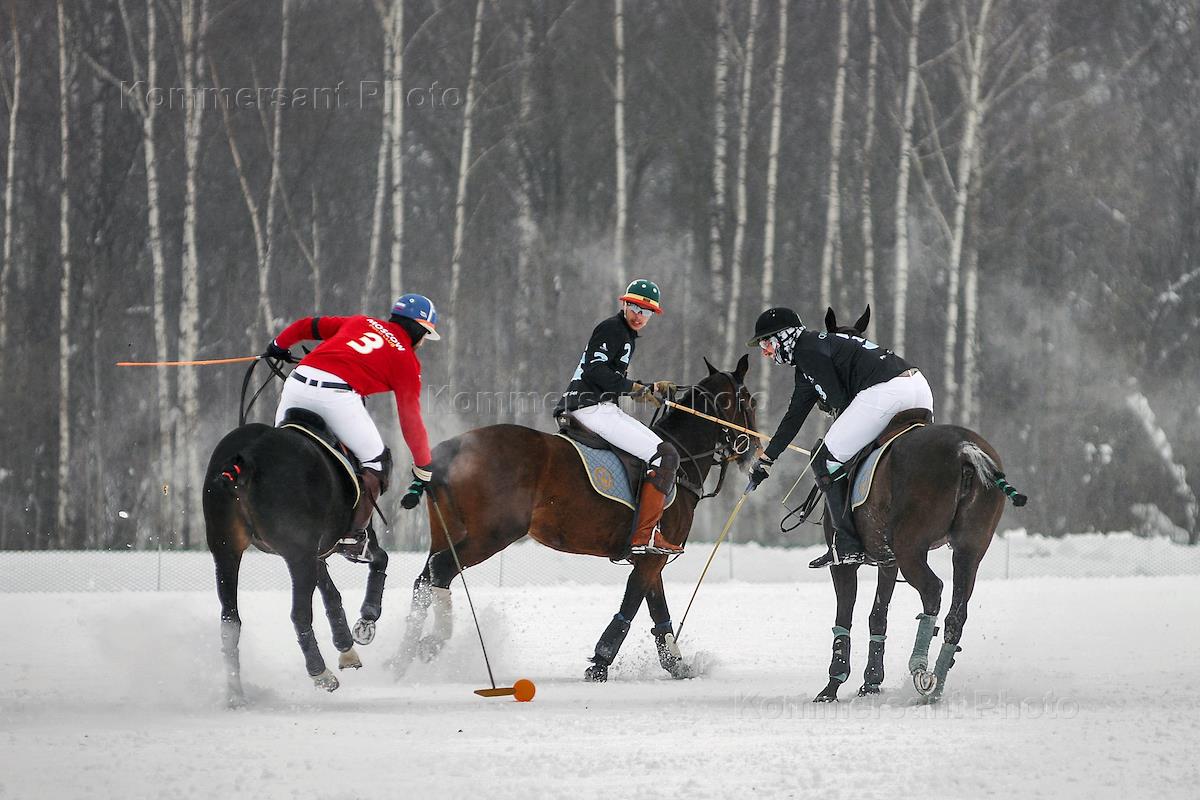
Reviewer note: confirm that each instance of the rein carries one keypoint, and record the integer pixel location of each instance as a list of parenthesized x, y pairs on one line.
[(276, 372), (725, 451)]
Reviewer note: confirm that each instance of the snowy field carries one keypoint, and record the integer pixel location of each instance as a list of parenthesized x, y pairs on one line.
[(1065, 687)]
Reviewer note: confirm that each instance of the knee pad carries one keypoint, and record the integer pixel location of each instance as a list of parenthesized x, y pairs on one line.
[(663, 467)]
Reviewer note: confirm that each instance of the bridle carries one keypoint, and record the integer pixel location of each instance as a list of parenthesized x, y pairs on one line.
[(728, 448)]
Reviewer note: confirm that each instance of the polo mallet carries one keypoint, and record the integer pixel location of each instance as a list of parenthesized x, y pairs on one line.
[(237, 360), (711, 556), (495, 691)]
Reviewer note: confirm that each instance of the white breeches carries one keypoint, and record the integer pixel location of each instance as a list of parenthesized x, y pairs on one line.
[(871, 410), (342, 410), (619, 429)]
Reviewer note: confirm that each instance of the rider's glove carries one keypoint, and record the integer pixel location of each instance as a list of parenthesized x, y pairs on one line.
[(281, 353), (421, 478), (663, 390), (761, 471)]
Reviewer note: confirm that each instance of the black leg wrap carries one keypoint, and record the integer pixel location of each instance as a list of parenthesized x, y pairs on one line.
[(312, 654), (839, 665), (874, 672), (372, 605), (610, 641), (339, 628)]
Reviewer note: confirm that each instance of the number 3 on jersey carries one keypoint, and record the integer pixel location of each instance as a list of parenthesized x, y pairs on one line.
[(367, 342)]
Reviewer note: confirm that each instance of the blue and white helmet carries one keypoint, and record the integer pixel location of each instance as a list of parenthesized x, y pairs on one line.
[(418, 308)]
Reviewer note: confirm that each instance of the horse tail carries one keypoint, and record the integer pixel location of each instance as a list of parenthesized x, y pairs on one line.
[(979, 463), (236, 473)]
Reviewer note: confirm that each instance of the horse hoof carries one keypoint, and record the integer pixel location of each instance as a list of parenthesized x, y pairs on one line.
[(363, 631), (349, 660), (924, 682), (326, 680), (868, 688), (681, 671), (596, 674), (235, 701), (825, 698)]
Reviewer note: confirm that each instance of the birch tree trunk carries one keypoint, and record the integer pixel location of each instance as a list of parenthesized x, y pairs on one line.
[(716, 258), (970, 387), (193, 27), (318, 297), (739, 232), (527, 226), (619, 125), (1140, 406), (149, 114), (768, 276), (396, 142), (833, 208), (905, 168), (264, 267), (974, 43), (381, 173), (10, 179), (66, 77), (868, 231), (460, 196)]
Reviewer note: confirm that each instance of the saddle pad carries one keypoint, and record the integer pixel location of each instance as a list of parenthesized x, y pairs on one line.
[(337, 454), (866, 470), (608, 476)]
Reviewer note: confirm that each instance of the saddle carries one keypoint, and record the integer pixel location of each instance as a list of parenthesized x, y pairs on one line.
[(600, 472), (862, 466), (314, 426)]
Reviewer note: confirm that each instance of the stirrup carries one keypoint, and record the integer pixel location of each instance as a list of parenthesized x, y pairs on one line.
[(354, 546), (650, 548)]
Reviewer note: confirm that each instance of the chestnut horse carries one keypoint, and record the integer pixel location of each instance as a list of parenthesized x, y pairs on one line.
[(278, 489), (497, 484), (933, 485)]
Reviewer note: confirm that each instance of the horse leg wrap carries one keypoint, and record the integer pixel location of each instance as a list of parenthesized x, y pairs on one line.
[(839, 665), (313, 661), (664, 642), (874, 671), (443, 616), (339, 628), (945, 661), (372, 605), (611, 640), (926, 630)]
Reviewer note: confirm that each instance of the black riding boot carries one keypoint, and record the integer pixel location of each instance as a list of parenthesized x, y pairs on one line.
[(847, 546), (354, 544)]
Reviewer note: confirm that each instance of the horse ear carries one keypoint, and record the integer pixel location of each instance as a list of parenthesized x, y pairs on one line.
[(711, 369), (743, 365), (830, 320), (861, 325)]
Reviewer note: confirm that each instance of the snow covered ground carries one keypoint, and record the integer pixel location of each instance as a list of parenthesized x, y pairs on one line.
[(1065, 687)]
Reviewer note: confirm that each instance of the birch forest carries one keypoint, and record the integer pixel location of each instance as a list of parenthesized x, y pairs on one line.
[(1013, 186)]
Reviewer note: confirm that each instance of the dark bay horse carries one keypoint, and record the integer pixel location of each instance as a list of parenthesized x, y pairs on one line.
[(278, 489), (498, 484), (934, 485)]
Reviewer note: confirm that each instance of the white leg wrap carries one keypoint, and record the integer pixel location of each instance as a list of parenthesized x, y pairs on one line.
[(443, 613)]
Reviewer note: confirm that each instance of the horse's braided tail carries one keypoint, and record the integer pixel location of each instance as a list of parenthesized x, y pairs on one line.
[(236, 473), (986, 468)]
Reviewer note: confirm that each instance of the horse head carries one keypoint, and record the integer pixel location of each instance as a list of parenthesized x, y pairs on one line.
[(727, 394), (857, 329)]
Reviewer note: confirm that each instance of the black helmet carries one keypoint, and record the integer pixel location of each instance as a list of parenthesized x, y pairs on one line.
[(772, 321)]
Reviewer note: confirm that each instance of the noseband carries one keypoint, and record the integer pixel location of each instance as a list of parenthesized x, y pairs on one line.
[(728, 448)]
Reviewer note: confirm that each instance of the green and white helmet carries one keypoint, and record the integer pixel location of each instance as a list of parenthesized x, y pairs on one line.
[(643, 293)]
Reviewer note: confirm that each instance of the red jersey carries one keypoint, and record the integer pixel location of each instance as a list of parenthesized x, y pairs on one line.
[(372, 356)]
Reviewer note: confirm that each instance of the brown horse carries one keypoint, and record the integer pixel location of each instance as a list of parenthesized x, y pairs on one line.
[(497, 484), (933, 485)]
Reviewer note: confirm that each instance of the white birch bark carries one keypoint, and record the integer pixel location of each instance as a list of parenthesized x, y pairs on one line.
[(66, 72), (527, 226), (974, 42), (1140, 406), (716, 259), (733, 299), (833, 207), (381, 174), (970, 335), (149, 114), (264, 267), (905, 168), (868, 230), (768, 276), (315, 263), (396, 142), (193, 25), (619, 126), (464, 168), (10, 179)]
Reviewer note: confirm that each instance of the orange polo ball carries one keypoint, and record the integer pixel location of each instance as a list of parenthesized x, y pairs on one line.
[(524, 690)]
